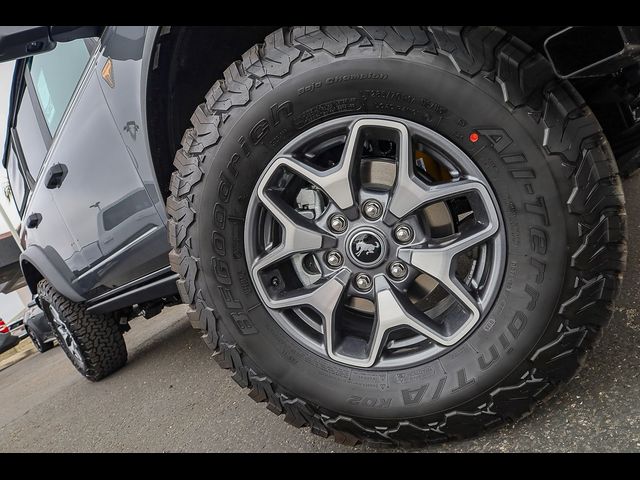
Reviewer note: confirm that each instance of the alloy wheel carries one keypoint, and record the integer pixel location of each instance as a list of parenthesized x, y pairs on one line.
[(66, 337), (375, 241)]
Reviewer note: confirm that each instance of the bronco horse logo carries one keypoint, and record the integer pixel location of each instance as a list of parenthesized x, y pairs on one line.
[(364, 247)]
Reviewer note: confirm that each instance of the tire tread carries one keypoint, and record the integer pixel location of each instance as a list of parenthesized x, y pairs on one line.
[(98, 335), (526, 81)]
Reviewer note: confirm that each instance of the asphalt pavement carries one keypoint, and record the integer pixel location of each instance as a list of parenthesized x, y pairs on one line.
[(172, 396)]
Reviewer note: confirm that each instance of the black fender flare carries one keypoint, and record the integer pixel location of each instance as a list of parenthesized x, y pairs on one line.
[(36, 264)]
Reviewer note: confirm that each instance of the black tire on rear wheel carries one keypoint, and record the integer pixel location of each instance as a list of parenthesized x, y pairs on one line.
[(37, 341), (544, 155), (101, 349)]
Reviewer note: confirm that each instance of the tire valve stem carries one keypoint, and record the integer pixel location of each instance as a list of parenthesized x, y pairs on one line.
[(275, 282)]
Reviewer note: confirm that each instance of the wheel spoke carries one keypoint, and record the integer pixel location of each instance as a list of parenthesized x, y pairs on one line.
[(321, 298), (56, 320), (324, 299), (439, 263), (74, 349), (299, 234), (66, 335), (407, 199), (389, 315), (335, 182), (410, 193), (338, 182), (394, 311)]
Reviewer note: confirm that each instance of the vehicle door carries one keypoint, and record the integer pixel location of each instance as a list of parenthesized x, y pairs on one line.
[(92, 176), (42, 226)]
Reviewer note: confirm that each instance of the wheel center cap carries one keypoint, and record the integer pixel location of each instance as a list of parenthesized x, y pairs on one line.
[(366, 248)]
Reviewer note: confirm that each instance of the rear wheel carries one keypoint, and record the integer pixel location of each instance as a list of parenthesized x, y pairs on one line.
[(400, 235), (37, 341), (93, 343)]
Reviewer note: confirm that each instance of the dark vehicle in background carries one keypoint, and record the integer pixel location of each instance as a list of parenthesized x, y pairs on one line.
[(38, 328), (400, 235), (7, 340)]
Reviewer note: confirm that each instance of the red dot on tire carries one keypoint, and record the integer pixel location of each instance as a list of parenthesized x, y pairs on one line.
[(474, 137)]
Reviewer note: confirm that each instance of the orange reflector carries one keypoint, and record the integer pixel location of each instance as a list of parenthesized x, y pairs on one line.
[(107, 73)]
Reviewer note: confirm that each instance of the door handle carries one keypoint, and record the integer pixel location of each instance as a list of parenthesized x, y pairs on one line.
[(56, 175), (34, 220)]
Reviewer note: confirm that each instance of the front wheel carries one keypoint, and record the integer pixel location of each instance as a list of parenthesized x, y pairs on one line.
[(93, 343), (399, 235)]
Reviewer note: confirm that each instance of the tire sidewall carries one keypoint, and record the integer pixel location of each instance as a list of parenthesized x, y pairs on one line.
[(432, 93)]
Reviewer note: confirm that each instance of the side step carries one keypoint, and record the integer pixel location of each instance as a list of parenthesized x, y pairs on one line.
[(163, 287)]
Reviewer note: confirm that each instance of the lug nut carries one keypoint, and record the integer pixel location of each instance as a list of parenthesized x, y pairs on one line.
[(337, 223), (398, 270), (334, 259), (403, 233), (372, 209), (363, 282)]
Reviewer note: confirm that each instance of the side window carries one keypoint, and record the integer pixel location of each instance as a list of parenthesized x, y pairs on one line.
[(17, 181), (32, 141), (55, 76)]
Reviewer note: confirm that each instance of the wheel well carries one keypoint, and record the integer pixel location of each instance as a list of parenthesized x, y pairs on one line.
[(31, 275), (186, 61)]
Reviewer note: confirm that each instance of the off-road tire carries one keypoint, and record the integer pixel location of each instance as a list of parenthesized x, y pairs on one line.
[(553, 173), (98, 336), (37, 341)]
